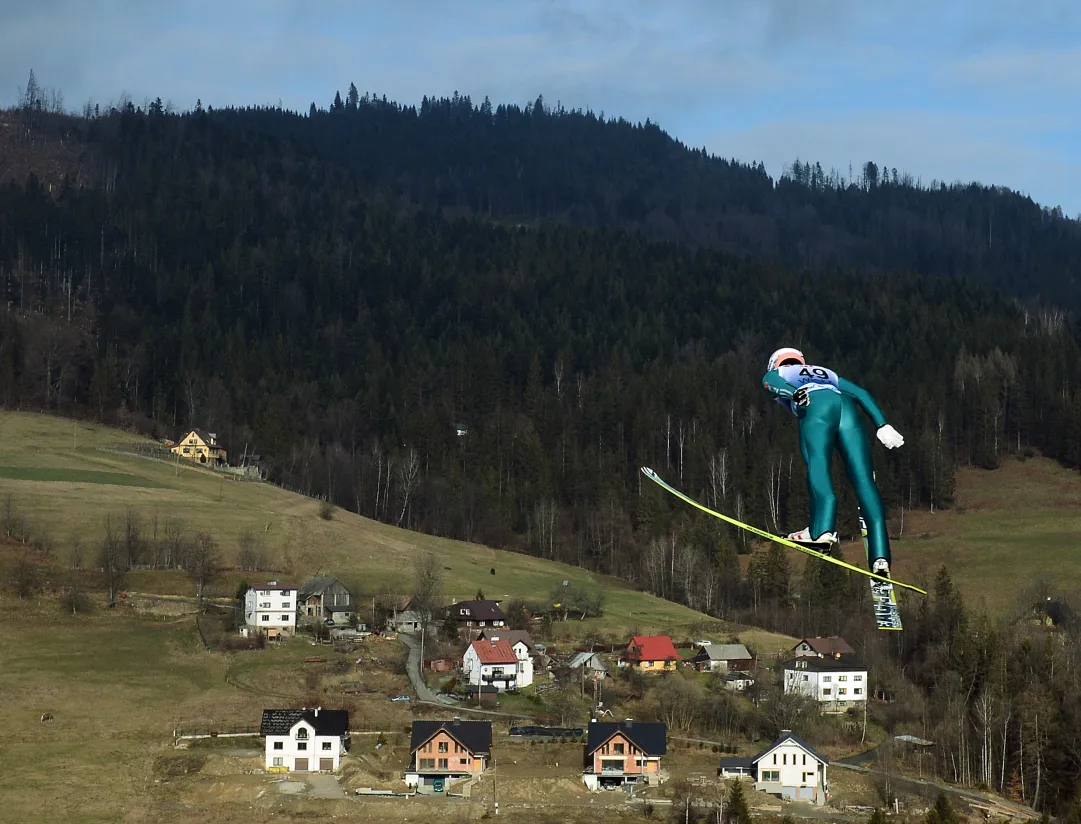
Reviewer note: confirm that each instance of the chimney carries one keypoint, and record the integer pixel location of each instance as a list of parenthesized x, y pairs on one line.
[(457, 721), (593, 720), (317, 711), (628, 722), (785, 732)]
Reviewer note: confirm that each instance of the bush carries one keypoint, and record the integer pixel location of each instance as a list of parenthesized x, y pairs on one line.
[(326, 510)]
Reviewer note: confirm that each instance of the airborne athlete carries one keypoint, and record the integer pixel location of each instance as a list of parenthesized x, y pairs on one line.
[(827, 407)]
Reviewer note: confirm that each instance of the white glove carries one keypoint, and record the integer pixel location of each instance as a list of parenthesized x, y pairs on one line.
[(890, 437)]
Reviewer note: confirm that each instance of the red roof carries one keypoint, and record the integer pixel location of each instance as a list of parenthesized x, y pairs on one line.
[(495, 652), (652, 648)]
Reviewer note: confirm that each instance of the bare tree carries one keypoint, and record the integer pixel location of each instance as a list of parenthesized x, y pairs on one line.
[(75, 551), (134, 545), (73, 597), (250, 555), (718, 477), (204, 563), (174, 542), (408, 478), (112, 560), (23, 579), (427, 587), (544, 521)]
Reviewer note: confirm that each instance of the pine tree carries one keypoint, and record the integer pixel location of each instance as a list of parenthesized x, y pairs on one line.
[(736, 810)]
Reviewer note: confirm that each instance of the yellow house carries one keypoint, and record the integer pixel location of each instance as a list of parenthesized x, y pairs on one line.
[(650, 653), (201, 446)]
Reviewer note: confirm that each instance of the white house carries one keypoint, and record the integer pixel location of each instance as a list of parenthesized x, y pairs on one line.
[(309, 740), (835, 683), (495, 663), (271, 609), (788, 768), (524, 650)]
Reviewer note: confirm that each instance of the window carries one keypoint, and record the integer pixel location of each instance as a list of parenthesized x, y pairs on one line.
[(775, 758), (857, 677), (618, 749), (264, 605), (285, 605), (827, 690), (857, 691), (825, 678), (285, 619), (279, 745), (464, 762), (285, 593), (805, 677), (302, 734), (264, 618), (784, 759), (842, 677), (326, 745), (805, 759), (443, 746), (264, 592), (443, 763), (187, 451), (278, 762), (771, 775), (842, 691), (427, 764), (302, 745), (458, 748)]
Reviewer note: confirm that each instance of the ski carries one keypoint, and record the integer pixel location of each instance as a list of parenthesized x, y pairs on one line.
[(883, 598), (769, 536)]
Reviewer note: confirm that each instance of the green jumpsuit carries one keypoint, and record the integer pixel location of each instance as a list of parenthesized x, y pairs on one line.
[(829, 421)]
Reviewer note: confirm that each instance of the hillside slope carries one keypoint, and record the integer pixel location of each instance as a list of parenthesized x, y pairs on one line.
[(67, 477)]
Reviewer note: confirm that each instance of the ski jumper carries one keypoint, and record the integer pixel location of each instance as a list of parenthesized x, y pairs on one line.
[(831, 420)]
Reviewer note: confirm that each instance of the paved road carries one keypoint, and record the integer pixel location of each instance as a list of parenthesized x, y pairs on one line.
[(412, 668)]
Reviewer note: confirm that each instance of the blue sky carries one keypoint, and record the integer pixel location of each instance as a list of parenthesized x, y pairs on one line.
[(948, 90)]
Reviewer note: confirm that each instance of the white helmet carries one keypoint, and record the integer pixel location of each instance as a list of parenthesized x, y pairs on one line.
[(785, 353)]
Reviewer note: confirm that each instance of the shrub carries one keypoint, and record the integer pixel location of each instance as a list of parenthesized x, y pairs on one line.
[(326, 510)]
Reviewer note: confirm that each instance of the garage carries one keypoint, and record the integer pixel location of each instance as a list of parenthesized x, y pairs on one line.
[(301, 765), (326, 764)]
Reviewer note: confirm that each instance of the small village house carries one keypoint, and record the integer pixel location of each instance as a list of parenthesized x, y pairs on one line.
[(738, 681), (588, 664), (477, 614), (721, 658), (307, 740), (494, 663), (522, 644), (789, 768), (271, 609), (445, 751), (325, 599), (201, 446), (624, 752), (650, 653), (835, 683), (831, 646)]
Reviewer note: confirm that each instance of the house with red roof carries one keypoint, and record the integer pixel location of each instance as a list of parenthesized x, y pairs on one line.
[(493, 662), (650, 653)]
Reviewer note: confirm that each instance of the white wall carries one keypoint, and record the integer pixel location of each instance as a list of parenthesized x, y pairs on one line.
[(826, 686), (797, 767), (315, 748), (271, 609), (473, 669)]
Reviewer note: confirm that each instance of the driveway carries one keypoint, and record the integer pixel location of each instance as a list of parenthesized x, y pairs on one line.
[(325, 786), (412, 667)]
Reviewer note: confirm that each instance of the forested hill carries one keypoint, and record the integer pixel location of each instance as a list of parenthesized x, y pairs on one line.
[(538, 162), (209, 274)]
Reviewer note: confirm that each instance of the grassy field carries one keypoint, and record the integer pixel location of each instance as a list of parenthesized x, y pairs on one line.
[(68, 477), (1010, 528)]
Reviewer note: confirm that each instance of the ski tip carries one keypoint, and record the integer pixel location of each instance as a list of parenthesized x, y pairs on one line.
[(647, 471)]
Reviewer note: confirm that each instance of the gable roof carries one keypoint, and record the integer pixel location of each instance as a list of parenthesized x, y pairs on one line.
[(475, 736), (204, 436), (653, 648), (788, 735), (725, 652), (651, 737), (494, 652), (829, 645), (485, 610), (514, 636), (580, 659), (316, 586), (324, 722), (270, 585)]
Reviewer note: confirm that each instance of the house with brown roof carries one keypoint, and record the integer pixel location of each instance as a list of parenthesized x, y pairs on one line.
[(201, 446), (476, 614), (650, 653), (624, 752), (488, 662), (830, 646), (445, 751)]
